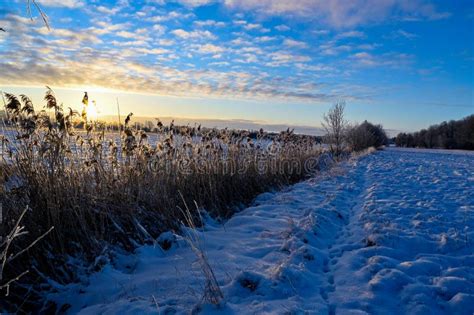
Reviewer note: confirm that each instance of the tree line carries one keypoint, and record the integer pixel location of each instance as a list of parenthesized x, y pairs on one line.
[(455, 134)]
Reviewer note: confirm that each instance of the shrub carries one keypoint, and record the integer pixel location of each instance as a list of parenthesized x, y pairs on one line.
[(365, 135)]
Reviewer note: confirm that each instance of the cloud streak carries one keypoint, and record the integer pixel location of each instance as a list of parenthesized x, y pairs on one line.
[(62, 3), (342, 13)]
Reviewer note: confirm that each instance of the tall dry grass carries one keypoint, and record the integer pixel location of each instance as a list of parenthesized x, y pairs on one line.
[(125, 188)]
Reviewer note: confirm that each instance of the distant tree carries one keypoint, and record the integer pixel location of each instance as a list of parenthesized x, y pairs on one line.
[(334, 125), (401, 139), (447, 135)]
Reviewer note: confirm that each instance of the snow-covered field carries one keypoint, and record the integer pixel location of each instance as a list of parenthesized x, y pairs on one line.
[(388, 233)]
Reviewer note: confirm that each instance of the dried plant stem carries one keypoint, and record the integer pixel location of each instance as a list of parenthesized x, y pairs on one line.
[(43, 15), (6, 258), (212, 291)]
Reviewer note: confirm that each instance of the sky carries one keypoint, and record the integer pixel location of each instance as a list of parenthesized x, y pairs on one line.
[(403, 63)]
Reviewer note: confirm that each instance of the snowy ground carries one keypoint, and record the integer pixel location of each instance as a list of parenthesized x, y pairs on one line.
[(390, 233)]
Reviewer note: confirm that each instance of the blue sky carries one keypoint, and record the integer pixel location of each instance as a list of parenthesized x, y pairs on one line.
[(405, 64)]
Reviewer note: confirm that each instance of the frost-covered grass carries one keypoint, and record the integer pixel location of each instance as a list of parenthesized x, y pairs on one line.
[(386, 233)]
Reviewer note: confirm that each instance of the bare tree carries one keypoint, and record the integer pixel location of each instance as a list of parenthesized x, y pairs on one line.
[(334, 125)]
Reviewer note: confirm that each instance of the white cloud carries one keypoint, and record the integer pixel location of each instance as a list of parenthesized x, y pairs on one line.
[(350, 34), (194, 3), (105, 10), (158, 29), (251, 26), (404, 34), (106, 28), (316, 67), (329, 49), (342, 13), (238, 41), (367, 46), (264, 39), (210, 49), (166, 42), (209, 23), (294, 43), (320, 32), (125, 34), (282, 28), (155, 51), (254, 50), (61, 3), (173, 15), (391, 60), (193, 34), (159, 2), (280, 58), (70, 38)]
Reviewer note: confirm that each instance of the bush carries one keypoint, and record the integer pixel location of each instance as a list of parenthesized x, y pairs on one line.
[(365, 135)]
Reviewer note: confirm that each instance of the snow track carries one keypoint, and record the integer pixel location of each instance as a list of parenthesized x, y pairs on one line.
[(389, 233)]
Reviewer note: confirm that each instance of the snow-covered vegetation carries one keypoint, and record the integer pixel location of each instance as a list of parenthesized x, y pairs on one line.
[(386, 233)]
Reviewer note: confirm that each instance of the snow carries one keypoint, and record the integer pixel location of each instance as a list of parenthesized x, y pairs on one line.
[(387, 233)]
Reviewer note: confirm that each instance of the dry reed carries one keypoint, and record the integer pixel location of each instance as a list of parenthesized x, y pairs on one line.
[(98, 188)]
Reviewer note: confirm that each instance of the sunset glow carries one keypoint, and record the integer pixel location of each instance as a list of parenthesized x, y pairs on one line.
[(92, 113)]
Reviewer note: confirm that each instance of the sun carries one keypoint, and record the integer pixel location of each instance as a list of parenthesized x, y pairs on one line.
[(92, 111)]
